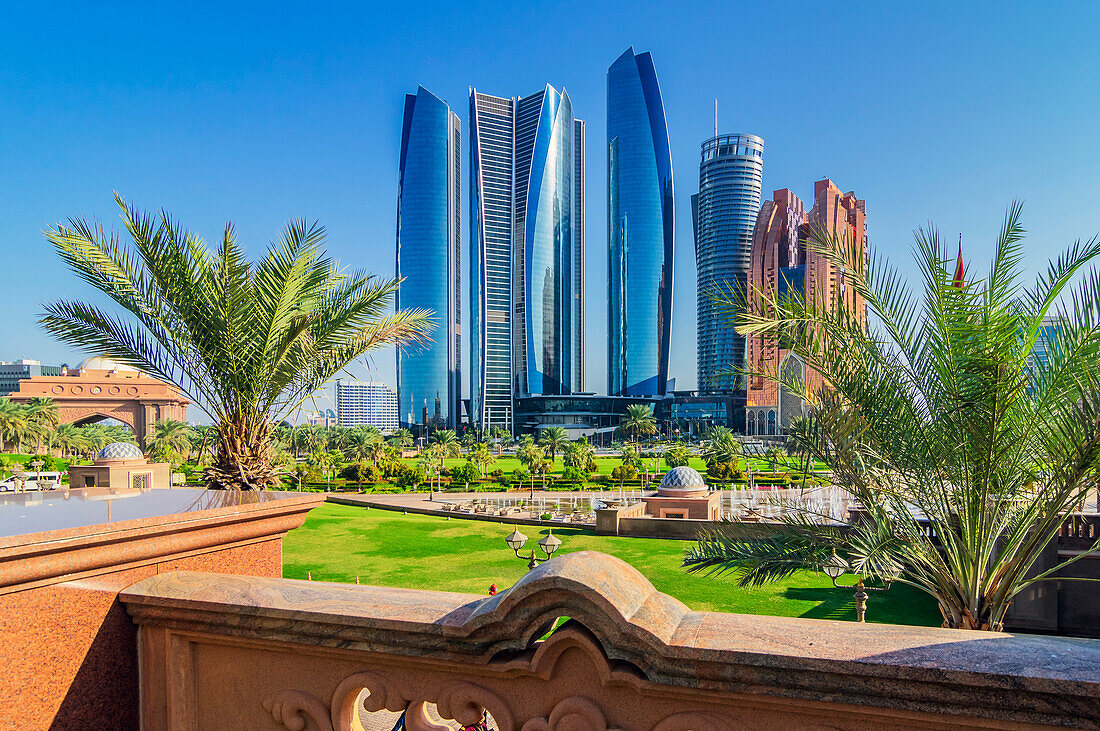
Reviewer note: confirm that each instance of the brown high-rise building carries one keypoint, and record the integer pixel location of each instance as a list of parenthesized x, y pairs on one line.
[(781, 258)]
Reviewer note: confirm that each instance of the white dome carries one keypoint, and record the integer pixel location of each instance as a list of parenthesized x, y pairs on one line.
[(682, 478), (103, 363), (120, 451)]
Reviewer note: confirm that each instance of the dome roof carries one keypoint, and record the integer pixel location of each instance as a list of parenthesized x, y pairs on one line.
[(103, 363), (682, 478), (120, 451)]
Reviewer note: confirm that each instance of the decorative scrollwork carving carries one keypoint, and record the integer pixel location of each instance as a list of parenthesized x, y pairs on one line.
[(288, 706), (466, 703), (382, 694), (576, 713)]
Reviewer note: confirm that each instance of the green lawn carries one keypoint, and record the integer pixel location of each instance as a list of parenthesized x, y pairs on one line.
[(380, 547)]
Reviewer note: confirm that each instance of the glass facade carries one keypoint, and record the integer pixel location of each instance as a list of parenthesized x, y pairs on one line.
[(428, 255), (527, 251), (723, 215), (640, 229)]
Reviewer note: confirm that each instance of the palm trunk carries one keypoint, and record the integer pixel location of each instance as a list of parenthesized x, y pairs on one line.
[(244, 459)]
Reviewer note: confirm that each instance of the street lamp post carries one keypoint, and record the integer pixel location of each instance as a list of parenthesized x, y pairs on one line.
[(835, 567), (548, 544)]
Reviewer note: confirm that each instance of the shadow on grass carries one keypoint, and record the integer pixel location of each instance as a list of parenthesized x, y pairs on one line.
[(832, 603)]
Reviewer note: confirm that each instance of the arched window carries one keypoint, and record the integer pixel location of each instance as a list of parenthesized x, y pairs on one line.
[(760, 428), (751, 423), (771, 422)]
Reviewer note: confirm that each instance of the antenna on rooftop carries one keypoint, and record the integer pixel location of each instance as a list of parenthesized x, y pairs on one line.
[(715, 116)]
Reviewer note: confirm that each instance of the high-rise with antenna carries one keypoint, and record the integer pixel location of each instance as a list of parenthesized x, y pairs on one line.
[(731, 169)]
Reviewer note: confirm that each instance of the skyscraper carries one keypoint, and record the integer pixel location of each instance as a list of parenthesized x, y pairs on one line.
[(526, 251), (367, 403), (428, 255), (640, 227), (723, 214), (782, 262)]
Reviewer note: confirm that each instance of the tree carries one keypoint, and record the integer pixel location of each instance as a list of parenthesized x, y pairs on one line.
[(624, 472), (464, 473), (14, 423), (722, 447), (482, 457), (678, 456), (530, 456), (936, 420), (42, 417), (448, 445), (630, 457), (246, 342), (172, 439), (552, 439), (401, 438), (580, 455), (638, 421)]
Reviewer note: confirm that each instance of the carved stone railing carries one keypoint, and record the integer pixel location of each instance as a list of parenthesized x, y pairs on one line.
[(255, 653)]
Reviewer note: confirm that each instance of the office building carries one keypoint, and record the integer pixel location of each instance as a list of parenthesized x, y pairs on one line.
[(12, 372), (370, 403), (325, 418), (526, 252), (640, 229), (428, 255), (783, 264), (731, 169)]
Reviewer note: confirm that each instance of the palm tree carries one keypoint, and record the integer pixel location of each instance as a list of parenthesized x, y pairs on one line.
[(246, 342), (448, 444), (578, 454), (482, 457), (552, 439), (638, 421), (531, 456), (14, 423), (722, 447), (939, 411), (171, 437), (401, 438), (42, 417)]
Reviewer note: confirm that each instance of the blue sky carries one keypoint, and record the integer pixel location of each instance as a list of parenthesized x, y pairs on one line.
[(262, 112)]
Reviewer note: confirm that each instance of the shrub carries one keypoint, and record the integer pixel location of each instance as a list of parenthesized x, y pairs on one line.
[(464, 474), (572, 474), (410, 476), (519, 475), (624, 472), (497, 474)]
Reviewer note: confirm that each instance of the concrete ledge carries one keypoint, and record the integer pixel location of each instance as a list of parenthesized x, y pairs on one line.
[(631, 654)]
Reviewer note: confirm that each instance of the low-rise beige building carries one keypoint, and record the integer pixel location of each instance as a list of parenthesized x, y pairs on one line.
[(121, 465)]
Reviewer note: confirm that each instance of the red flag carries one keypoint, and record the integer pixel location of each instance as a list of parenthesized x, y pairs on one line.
[(960, 280)]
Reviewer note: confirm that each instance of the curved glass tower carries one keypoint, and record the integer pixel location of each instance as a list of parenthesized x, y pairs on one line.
[(527, 251), (640, 225), (724, 212), (428, 258)]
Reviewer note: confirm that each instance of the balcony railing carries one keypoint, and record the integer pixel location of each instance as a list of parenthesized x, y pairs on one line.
[(241, 652)]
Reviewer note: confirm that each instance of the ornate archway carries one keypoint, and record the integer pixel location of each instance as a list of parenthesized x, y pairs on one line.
[(102, 389)]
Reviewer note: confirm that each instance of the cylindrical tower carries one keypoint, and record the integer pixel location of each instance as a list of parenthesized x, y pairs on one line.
[(724, 211)]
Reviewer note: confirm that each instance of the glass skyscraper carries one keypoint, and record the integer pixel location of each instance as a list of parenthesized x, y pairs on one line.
[(640, 227), (526, 251), (723, 214), (428, 255)]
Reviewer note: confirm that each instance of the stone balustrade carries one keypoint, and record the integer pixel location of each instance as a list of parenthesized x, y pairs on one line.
[(241, 652)]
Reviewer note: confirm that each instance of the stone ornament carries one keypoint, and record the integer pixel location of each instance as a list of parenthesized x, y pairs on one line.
[(629, 658)]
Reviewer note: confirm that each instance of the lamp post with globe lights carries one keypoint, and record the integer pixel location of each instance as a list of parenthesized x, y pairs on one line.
[(548, 544), (835, 567)]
